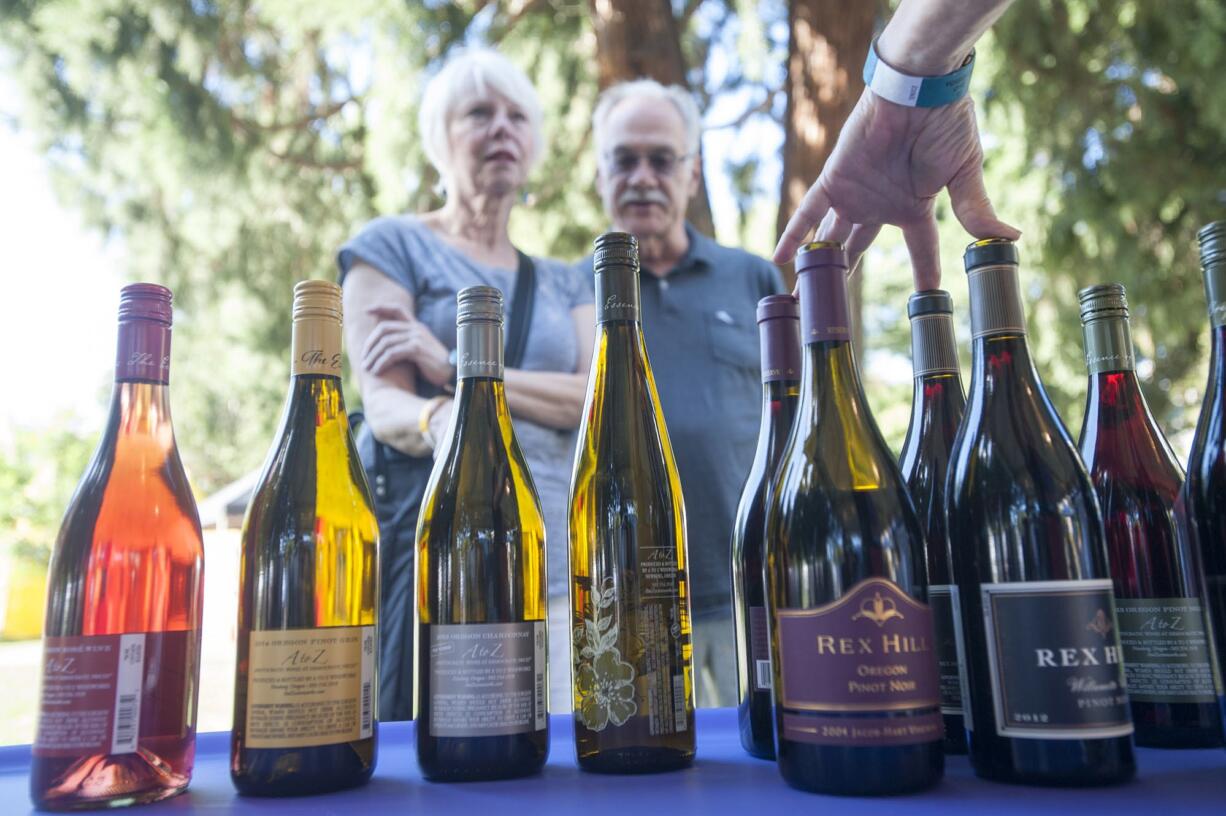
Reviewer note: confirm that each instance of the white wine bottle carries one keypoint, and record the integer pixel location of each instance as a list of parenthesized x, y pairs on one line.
[(630, 598), (304, 719), (481, 643)]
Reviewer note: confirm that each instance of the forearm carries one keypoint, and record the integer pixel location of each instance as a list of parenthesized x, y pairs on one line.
[(933, 37), (550, 398), (393, 416)]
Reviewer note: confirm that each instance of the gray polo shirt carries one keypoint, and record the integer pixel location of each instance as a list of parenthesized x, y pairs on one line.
[(701, 332)]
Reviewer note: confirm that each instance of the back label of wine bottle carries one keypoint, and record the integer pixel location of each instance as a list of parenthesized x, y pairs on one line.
[(310, 687), (1055, 660), (943, 598), (760, 641), (487, 679), (1166, 650), (872, 650), (92, 697)]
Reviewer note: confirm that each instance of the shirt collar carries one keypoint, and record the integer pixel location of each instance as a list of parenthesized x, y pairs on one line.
[(699, 255)]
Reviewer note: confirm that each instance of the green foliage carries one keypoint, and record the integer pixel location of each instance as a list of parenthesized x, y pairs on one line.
[(1122, 121), (38, 473), (235, 146)]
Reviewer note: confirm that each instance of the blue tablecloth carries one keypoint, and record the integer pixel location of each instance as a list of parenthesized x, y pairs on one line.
[(724, 780)]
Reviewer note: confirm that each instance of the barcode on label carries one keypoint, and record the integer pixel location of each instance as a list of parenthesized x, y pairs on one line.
[(540, 656), (125, 722), (367, 708), (762, 668), (679, 702), (129, 678)]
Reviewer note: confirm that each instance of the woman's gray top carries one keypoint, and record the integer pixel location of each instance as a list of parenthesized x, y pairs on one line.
[(408, 252)]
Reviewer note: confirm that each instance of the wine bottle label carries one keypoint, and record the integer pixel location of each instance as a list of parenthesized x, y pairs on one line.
[(1054, 660), (103, 694), (308, 687), (823, 305), (1166, 650), (316, 346), (487, 679), (144, 351), (943, 598), (760, 648), (611, 689), (871, 652)]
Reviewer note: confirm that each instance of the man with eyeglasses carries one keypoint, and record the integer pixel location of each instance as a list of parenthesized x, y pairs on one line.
[(698, 307)]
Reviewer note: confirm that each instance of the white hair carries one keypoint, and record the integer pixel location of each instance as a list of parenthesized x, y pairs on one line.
[(681, 99), (469, 73)]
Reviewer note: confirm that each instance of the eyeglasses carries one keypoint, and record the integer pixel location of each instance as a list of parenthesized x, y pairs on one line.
[(662, 162)]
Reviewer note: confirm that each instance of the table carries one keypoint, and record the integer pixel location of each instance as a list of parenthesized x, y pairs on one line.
[(724, 780)]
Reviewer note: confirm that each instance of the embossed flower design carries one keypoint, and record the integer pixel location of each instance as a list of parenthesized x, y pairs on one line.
[(606, 690)]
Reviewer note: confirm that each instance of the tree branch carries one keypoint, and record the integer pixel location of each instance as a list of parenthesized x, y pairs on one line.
[(764, 106)]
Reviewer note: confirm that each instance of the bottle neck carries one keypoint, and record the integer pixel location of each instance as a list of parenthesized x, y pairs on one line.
[(143, 353), (479, 350), (142, 408), (779, 398), (617, 294), (938, 402), (1108, 344), (1215, 292), (933, 350)]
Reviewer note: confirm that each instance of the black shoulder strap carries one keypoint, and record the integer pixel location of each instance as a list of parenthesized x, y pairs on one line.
[(522, 300)]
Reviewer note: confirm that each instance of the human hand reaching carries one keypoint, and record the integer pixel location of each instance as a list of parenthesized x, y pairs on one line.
[(399, 338), (888, 166)]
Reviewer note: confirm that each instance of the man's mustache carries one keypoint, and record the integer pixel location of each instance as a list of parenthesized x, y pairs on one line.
[(642, 197)]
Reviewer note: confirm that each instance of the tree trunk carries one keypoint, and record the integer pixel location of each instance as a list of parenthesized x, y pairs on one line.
[(638, 39), (827, 46)]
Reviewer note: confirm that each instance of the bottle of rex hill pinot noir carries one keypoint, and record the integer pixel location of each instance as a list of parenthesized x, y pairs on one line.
[(1045, 678)]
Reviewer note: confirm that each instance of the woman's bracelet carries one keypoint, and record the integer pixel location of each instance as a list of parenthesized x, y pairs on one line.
[(428, 410)]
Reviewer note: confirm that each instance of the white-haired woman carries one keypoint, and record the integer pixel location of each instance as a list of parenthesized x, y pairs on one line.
[(480, 124)]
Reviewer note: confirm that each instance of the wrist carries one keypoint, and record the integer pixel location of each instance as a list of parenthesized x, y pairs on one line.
[(918, 56), (424, 417), (915, 91)]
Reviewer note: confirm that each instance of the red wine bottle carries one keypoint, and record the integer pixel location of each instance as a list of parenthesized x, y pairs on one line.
[(121, 647), (857, 695), (779, 335), (1205, 489), (936, 412), (1168, 656), (1045, 681)]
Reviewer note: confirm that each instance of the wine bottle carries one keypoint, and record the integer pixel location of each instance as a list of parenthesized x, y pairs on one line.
[(1205, 489), (857, 695), (304, 719), (630, 600), (936, 412), (779, 336), (1168, 659), (121, 637), (481, 606), (1047, 703)]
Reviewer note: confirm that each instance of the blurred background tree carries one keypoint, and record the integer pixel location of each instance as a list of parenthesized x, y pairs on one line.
[(232, 146)]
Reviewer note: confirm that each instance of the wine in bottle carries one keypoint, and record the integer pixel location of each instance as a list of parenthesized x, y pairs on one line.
[(1159, 587), (936, 412), (304, 719), (1205, 490), (481, 606), (857, 694), (1046, 703), (121, 645), (779, 337), (630, 599)]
